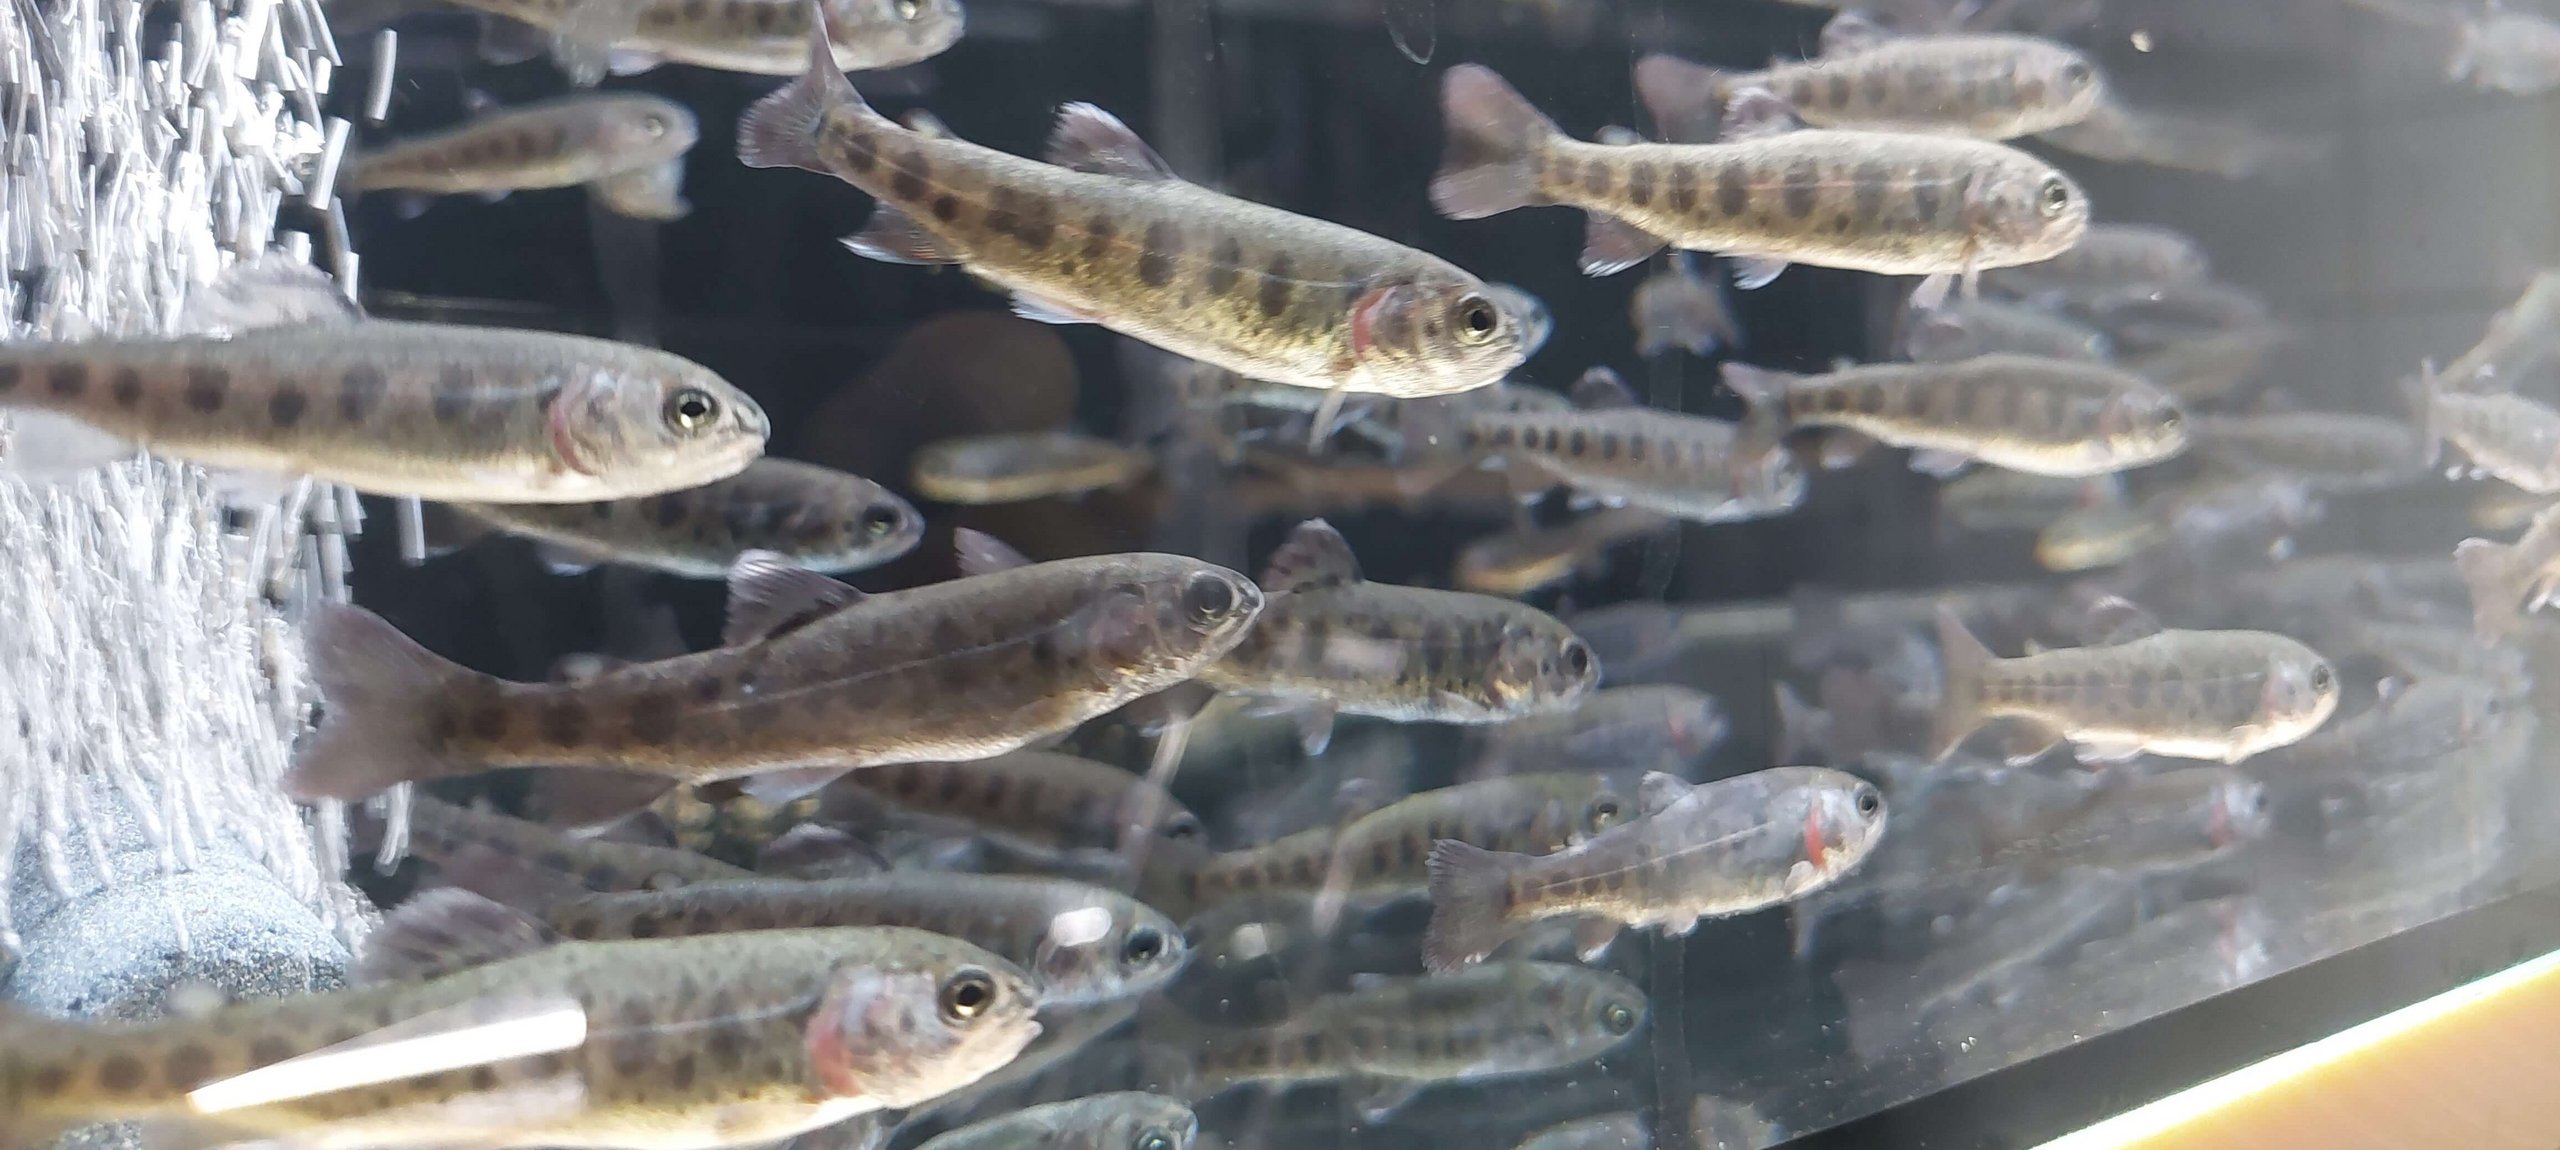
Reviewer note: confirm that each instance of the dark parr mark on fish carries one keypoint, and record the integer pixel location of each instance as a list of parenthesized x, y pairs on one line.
[(946, 207), (1098, 236), (862, 151), (360, 391), (1733, 191), (1803, 188), (188, 1066), (206, 388), (9, 373), (908, 182), (1224, 260), (1155, 262), (67, 379), (285, 407), (120, 1073), (652, 721), (1924, 192), (1276, 288), (1869, 185), (1640, 183)]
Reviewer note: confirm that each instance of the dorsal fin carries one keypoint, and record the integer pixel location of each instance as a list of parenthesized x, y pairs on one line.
[(982, 554), (769, 596), (1088, 139), (1852, 31), (1600, 389), (1314, 555), (1755, 112), (273, 292), (1659, 789), (2113, 619), (445, 930)]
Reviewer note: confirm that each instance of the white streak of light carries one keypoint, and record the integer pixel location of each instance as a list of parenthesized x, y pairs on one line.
[(2158, 1118), (327, 1071)]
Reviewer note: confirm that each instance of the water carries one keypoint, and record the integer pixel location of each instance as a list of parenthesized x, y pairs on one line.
[(2314, 149)]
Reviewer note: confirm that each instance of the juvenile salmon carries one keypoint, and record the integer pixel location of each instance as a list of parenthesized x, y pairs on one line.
[(817, 518), (2046, 416), (629, 147), (1989, 87)]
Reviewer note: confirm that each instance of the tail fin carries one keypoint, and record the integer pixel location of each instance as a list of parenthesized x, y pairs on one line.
[(781, 130), (1493, 135), (1686, 100), (1470, 890), (2488, 569), (381, 690), (1965, 659)]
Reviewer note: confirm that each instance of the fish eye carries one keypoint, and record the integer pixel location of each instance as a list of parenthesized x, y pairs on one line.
[(1603, 812), (1478, 319), (1155, 1138), (1208, 598), (1183, 826), (1869, 802), (2078, 74), (1144, 945), (968, 994), (2322, 679), (691, 409), (880, 519), (1577, 659), (655, 125), (2053, 196), (910, 9), (1617, 1018), (2171, 419)]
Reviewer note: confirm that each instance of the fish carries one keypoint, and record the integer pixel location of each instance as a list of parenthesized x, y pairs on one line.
[(2500, 432), (1392, 1037), (1961, 329), (815, 517), (727, 1040), (2328, 451), (304, 385), (1080, 944), (2519, 339), (2107, 535), (1124, 1120), (1537, 322), (1378, 857), (1522, 560), (1331, 642), (1663, 727), (1988, 87), (1993, 499), (2047, 416), (1038, 801), (1013, 468), (2225, 146), (1612, 449), (1887, 1001), (1681, 306), (616, 143), (1723, 848), (1771, 193), (2211, 367), (2145, 317), (2157, 824), (2216, 695), (812, 674), (2508, 579), (1104, 232), (1624, 1130), (2109, 255), (2414, 726), (513, 860), (758, 37)]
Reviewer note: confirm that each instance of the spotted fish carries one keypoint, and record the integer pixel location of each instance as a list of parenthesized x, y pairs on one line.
[(727, 1040), (2500, 432), (814, 675), (1014, 468), (2220, 695), (304, 386), (1768, 195), (1122, 1120), (1106, 233), (1739, 844), (2110, 256), (1331, 642), (479, 849), (1611, 449), (1393, 1037), (1040, 801), (1960, 329), (764, 37), (817, 518), (1378, 856), (1081, 944), (629, 147), (2323, 450), (1522, 560), (1989, 87), (2046, 416), (1662, 727)]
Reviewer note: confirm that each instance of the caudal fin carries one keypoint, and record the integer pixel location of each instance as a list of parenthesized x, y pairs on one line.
[(1494, 137), (1470, 888), (2489, 570), (381, 692), (1965, 659), (781, 130)]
